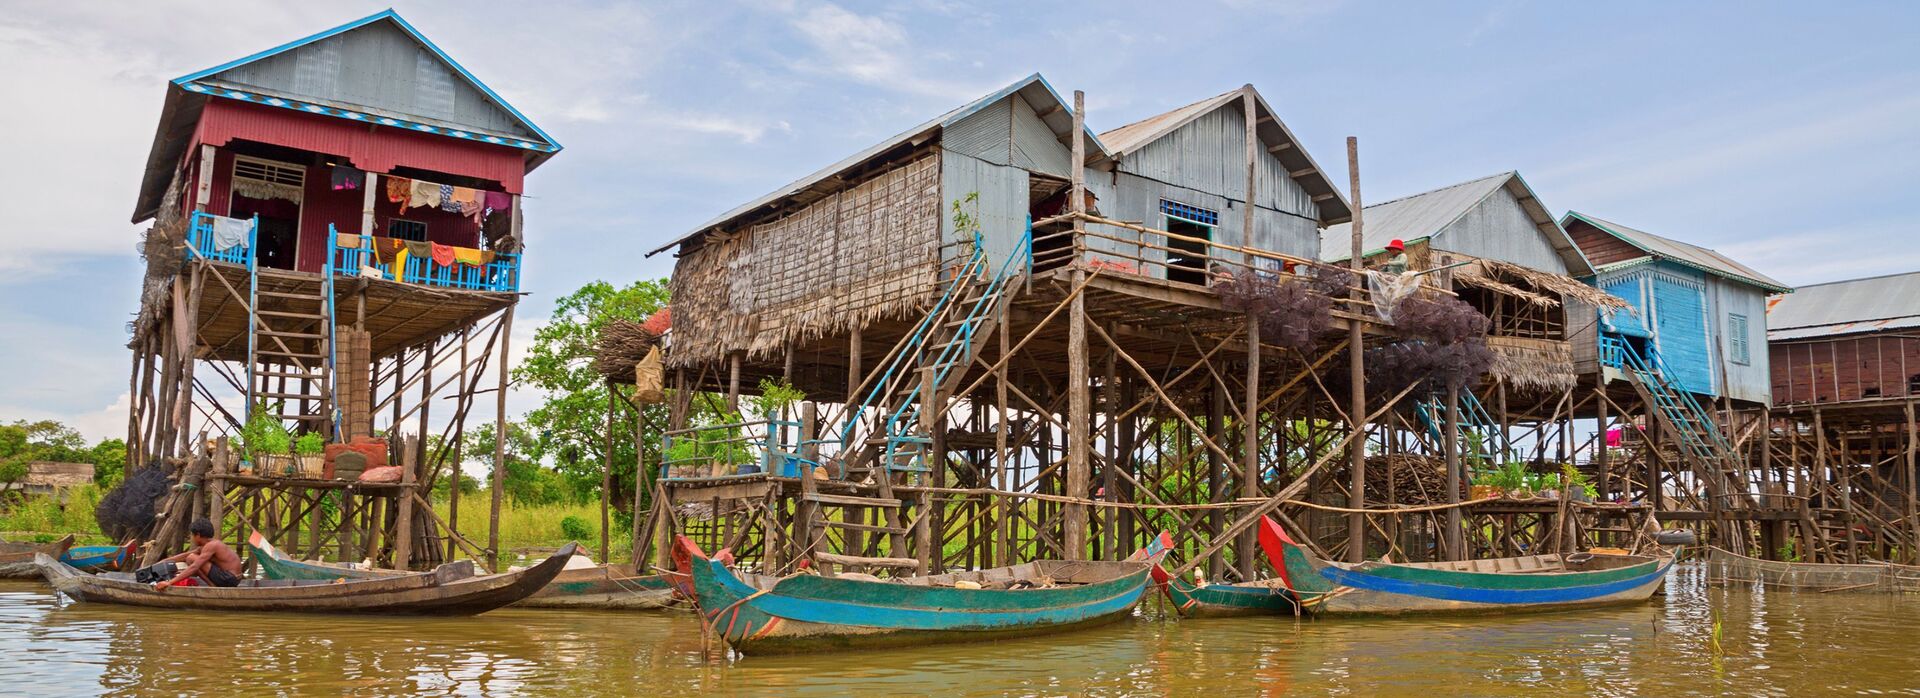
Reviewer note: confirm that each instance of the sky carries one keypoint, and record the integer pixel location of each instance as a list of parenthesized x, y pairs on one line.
[(1786, 135)]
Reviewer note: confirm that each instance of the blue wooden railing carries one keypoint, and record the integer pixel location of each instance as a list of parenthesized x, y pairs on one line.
[(501, 275), (200, 240), (1699, 434)]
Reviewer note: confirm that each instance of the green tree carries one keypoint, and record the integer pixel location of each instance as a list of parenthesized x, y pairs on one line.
[(109, 459), (569, 428)]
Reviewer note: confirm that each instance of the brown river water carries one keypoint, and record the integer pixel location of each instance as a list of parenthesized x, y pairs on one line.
[(1770, 643)]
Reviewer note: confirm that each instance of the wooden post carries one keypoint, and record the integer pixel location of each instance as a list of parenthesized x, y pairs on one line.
[(1003, 506), (1456, 533), (1356, 377), (1913, 472), (1216, 477), (1250, 415), (459, 454), (733, 382), (1249, 422), (499, 444), (606, 476), (403, 527), (1079, 453), (638, 549), (367, 199), (1601, 457), (1109, 475)]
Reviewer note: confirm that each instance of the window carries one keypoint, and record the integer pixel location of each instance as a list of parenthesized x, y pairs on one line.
[(1738, 350), (256, 178), (407, 230)]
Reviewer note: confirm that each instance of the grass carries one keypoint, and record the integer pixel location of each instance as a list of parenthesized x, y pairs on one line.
[(49, 517)]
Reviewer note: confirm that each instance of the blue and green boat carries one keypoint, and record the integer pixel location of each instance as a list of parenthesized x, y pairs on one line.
[(93, 559), (804, 612), (1503, 585)]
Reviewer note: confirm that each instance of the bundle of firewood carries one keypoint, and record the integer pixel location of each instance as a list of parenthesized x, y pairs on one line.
[(1417, 480), (622, 344)]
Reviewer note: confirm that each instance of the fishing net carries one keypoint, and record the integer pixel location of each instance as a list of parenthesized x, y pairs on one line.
[(127, 511), (1727, 567)]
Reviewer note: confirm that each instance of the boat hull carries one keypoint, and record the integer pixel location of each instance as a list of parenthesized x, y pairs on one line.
[(604, 587), (17, 559), (1326, 588), (811, 613), (93, 558), (1227, 600), (450, 590)]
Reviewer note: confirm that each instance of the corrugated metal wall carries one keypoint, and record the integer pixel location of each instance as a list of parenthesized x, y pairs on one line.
[(1209, 155), (372, 148), (1002, 207), (1631, 287), (1753, 380), (1498, 228), (986, 134), (378, 68), (1035, 146)]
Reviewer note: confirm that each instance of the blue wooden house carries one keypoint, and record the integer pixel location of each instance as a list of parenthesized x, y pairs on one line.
[(1698, 312)]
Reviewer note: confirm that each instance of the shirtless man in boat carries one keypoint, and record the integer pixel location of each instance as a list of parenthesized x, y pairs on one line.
[(208, 562)]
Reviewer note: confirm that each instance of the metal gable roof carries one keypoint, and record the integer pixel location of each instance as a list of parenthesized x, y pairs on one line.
[(186, 95), (1270, 130), (1845, 307), (1033, 88), (1424, 215), (1695, 256)]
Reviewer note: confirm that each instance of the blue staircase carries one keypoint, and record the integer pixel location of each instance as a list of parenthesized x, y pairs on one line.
[(886, 429), (1698, 436), (1477, 427)]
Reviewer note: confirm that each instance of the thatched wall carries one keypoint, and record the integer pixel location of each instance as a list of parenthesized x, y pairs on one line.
[(1543, 365), (866, 253)]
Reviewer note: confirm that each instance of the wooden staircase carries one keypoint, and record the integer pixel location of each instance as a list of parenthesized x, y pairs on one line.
[(290, 351)]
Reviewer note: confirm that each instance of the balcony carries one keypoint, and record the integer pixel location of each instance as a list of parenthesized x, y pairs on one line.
[(233, 241)]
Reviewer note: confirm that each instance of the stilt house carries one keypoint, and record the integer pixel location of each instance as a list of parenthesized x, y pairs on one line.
[(336, 241)]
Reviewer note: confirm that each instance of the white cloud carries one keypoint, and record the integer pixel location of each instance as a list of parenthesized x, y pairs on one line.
[(873, 50)]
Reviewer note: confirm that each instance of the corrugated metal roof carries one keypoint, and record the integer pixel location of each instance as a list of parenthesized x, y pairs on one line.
[(1280, 141), (1424, 215), (1694, 256), (1845, 307), (1033, 88)]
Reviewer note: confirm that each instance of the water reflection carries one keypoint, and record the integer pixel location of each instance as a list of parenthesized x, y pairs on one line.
[(1768, 644)]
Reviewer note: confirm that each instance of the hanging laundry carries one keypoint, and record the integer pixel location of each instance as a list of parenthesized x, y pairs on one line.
[(387, 250), (442, 254), (399, 189), (467, 202), (372, 272), (229, 232), (400, 264), (347, 177), (423, 193), (447, 202), (346, 241), (468, 256), (423, 250), (497, 201)]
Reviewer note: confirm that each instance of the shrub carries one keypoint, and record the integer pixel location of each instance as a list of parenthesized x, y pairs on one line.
[(310, 444), (575, 528)]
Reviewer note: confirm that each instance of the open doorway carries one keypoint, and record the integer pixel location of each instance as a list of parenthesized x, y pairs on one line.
[(277, 244), (1187, 258)]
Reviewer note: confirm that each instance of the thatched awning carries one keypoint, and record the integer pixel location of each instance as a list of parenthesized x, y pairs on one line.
[(622, 344), (1533, 364), (1500, 277)]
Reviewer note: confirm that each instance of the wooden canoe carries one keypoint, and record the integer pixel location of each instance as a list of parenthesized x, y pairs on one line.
[(451, 589), (96, 558), (602, 587), (760, 614), (1263, 598), (1505, 585), (16, 559)]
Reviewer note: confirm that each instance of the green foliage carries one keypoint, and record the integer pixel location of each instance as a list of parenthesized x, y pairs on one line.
[(576, 528), (528, 482), (310, 444), (109, 459), (966, 215), (56, 515), (24, 442), (568, 430), (264, 433), (13, 470), (1509, 476), (775, 395), (1578, 480)]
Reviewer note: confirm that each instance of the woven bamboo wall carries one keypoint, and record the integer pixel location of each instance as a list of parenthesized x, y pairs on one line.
[(867, 253)]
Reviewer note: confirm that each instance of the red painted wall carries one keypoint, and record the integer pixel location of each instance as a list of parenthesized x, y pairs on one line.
[(373, 148)]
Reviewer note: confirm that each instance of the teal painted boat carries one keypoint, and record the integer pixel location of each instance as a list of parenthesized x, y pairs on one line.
[(805, 612), (1503, 585), (93, 559), (596, 587), (1269, 597)]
